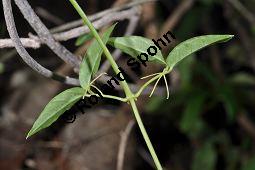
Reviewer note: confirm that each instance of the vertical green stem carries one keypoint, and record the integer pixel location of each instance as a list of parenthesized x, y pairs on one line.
[(124, 84), (101, 43), (145, 135)]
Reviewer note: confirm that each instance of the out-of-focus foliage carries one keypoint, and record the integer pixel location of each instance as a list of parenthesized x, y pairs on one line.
[(215, 90), (201, 91), (1, 68), (205, 157), (249, 164)]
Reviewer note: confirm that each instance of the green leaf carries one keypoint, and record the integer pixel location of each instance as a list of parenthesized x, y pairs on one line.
[(249, 164), (207, 74), (191, 122), (192, 45), (1, 68), (232, 158), (205, 158), (185, 73), (243, 79), (135, 45), (154, 104), (82, 39), (55, 108), (229, 98), (91, 61)]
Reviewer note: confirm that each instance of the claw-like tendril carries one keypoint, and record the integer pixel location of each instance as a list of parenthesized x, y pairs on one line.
[(100, 75), (145, 77), (167, 89), (91, 84), (95, 87), (154, 88), (162, 74)]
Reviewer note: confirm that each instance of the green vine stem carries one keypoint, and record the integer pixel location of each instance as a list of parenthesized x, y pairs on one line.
[(129, 95), (108, 97), (145, 135)]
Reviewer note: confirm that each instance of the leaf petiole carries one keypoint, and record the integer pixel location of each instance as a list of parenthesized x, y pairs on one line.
[(108, 97)]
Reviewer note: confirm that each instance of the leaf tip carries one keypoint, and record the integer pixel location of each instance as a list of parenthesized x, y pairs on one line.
[(229, 37), (30, 133)]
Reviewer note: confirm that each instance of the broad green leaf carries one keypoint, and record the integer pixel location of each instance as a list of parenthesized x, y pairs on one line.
[(192, 45), (55, 108), (135, 45), (91, 61), (82, 39), (205, 158)]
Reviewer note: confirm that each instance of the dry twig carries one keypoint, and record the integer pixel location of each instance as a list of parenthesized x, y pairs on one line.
[(123, 144), (26, 42), (133, 21), (18, 44), (99, 15), (243, 10), (45, 35), (48, 16), (22, 51), (173, 20), (246, 125), (76, 32)]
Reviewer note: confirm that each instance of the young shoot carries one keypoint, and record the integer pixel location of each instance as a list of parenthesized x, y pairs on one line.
[(136, 49)]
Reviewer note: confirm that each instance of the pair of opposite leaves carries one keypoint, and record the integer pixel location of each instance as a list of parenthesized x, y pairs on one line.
[(132, 45)]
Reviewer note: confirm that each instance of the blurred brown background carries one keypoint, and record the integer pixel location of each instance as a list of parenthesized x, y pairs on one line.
[(208, 122)]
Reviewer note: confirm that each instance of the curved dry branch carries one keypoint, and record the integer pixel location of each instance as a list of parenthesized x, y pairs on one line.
[(19, 45), (133, 22), (99, 15), (123, 144), (70, 34), (27, 42), (45, 35), (76, 32), (10, 23)]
